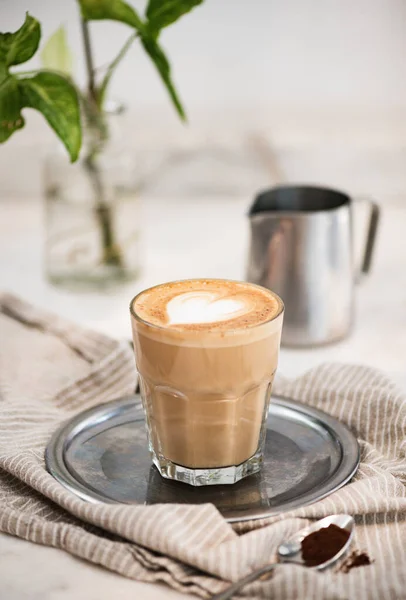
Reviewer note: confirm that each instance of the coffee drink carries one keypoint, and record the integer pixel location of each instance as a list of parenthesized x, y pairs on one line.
[(206, 352)]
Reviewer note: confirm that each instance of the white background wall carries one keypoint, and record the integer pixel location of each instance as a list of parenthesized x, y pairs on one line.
[(252, 53), (313, 74)]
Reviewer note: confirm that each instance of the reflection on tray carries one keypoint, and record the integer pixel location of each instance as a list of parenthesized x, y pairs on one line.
[(311, 480), (247, 494)]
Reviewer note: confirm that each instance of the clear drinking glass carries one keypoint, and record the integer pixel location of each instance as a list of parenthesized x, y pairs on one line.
[(206, 396)]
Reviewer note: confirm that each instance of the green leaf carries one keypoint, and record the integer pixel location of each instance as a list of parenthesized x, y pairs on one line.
[(56, 54), (20, 46), (10, 105), (161, 62), (117, 10), (162, 13), (56, 98)]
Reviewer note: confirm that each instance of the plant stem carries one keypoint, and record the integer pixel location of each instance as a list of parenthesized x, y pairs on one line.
[(112, 67), (111, 250), (89, 61)]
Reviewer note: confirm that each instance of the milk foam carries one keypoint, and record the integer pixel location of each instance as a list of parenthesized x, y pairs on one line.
[(207, 311), (203, 307)]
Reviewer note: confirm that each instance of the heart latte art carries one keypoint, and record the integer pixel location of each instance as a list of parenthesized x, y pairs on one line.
[(204, 307), (209, 304)]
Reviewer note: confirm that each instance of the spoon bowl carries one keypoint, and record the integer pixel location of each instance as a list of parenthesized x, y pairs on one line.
[(290, 551)]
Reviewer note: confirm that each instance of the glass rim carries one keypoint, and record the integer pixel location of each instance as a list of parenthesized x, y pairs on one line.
[(281, 308)]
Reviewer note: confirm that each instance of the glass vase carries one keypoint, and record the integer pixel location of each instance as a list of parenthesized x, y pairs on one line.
[(92, 211)]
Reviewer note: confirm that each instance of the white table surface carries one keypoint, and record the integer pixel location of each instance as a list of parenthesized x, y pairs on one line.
[(205, 238)]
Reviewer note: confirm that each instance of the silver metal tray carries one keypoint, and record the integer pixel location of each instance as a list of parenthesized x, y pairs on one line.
[(102, 456)]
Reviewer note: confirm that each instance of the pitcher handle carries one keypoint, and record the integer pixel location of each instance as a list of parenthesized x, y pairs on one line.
[(374, 216)]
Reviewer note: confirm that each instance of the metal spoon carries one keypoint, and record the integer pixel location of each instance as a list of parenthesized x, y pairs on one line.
[(291, 551)]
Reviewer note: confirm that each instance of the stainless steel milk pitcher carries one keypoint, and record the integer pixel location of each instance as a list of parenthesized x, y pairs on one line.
[(301, 248)]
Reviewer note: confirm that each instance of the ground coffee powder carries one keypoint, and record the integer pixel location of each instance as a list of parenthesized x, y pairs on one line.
[(319, 546), (356, 559)]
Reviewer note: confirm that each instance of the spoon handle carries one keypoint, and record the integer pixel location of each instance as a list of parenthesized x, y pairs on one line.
[(235, 587)]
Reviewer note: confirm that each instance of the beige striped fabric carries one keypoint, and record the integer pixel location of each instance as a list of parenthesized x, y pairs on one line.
[(51, 369)]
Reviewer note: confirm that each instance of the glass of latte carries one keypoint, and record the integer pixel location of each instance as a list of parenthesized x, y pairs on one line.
[(206, 352)]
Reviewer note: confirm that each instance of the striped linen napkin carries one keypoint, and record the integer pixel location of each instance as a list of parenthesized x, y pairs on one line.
[(51, 369)]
